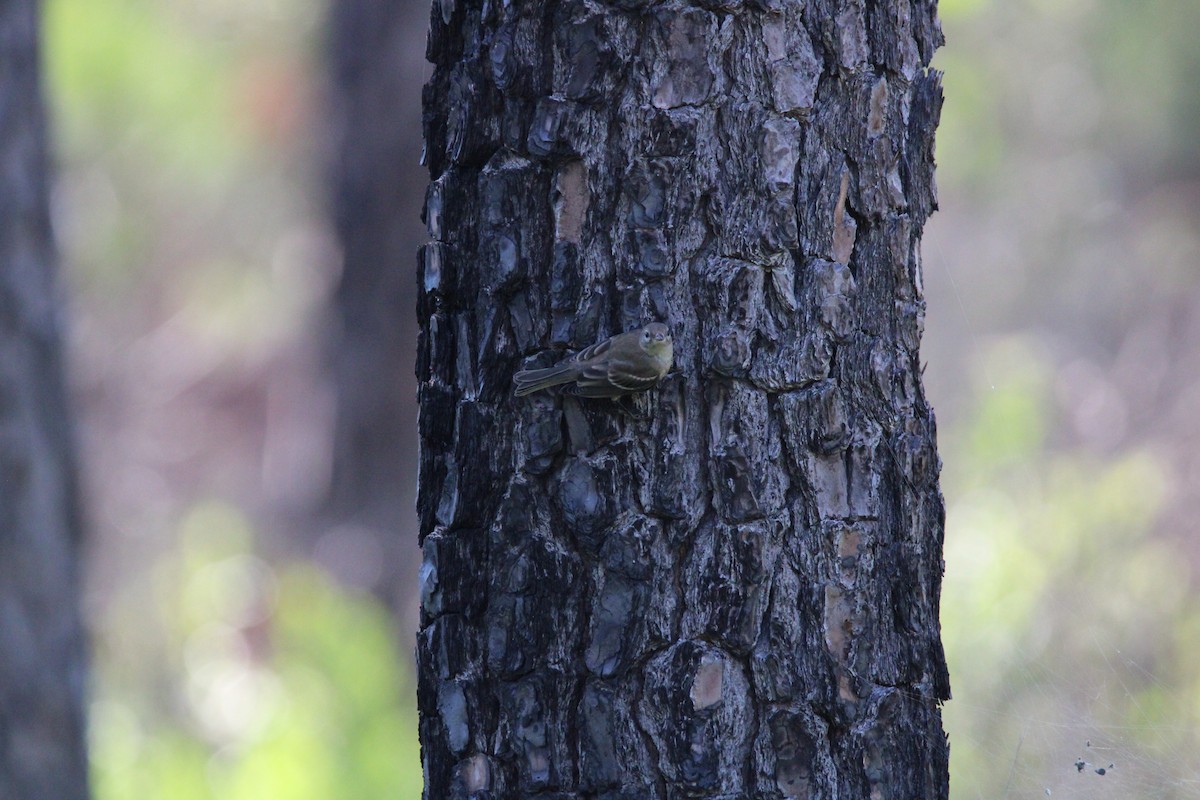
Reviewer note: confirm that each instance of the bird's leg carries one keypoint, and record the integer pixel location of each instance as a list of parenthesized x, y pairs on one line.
[(630, 411)]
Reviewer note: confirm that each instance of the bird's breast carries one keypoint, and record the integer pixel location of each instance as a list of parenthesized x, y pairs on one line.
[(665, 358)]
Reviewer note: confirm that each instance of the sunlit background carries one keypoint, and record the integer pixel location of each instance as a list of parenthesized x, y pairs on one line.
[(247, 644)]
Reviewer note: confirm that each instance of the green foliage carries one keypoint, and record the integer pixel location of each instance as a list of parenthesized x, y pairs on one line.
[(182, 168), (1145, 54), (1069, 608), (1060, 606), (279, 684), (969, 135), (127, 76)]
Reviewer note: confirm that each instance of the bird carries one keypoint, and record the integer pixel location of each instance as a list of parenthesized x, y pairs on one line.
[(623, 364)]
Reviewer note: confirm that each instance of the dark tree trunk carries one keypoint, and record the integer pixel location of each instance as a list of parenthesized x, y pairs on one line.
[(737, 595), (42, 754), (374, 52)]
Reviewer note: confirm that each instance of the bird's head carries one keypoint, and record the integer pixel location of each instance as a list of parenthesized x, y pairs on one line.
[(656, 338)]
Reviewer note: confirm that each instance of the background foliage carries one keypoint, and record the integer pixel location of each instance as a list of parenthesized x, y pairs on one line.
[(239, 654)]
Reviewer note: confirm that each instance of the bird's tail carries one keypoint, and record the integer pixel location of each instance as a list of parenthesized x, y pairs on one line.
[(534, 380)]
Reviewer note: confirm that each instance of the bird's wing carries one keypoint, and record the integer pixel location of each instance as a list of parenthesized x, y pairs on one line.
[(614, 377), (594, 390), (592, 351)]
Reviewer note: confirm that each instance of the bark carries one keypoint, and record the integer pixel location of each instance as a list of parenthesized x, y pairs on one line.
[(42, 753), (734, 593)]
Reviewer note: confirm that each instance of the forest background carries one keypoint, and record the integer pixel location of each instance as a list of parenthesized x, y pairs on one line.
[(251, 639)]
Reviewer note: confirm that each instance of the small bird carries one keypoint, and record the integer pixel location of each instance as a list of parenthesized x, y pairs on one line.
[(626, 363)]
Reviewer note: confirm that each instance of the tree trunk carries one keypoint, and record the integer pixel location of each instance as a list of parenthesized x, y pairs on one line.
[(373, 51), (734, 591), (42, 754)]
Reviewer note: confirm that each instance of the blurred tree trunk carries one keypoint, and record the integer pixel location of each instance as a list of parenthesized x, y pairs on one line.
[(375, 49), (42, 753), (737, 595)]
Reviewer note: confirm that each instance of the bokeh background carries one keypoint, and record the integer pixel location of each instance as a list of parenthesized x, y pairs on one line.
[(252, 617)]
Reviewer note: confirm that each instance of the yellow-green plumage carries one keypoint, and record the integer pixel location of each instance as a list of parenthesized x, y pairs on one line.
[(626, 363)]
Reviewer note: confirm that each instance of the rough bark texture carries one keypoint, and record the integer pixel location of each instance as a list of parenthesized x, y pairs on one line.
[(735, 596), (42, 753)]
